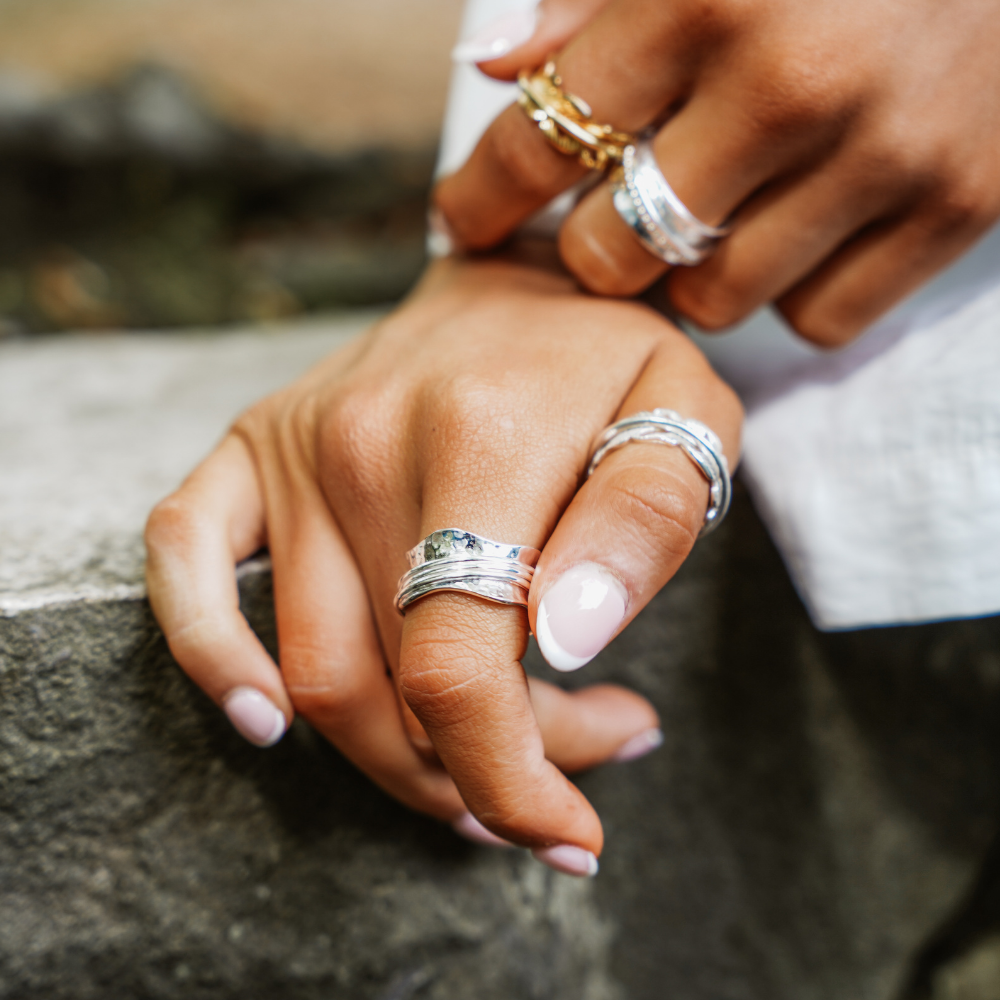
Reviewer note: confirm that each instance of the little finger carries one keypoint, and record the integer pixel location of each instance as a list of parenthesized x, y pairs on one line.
[(194, 539)]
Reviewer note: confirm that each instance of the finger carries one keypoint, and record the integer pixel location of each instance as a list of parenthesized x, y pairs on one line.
[(714, 156), (460, 671), (551, 24), (634, 521), (330, 654), (603, 722), (873, 272), (781, 236), (193, 540), (513, 170)]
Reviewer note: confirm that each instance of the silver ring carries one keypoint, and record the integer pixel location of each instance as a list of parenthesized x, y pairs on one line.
[(457, 560), (698, 442), (661, 222)]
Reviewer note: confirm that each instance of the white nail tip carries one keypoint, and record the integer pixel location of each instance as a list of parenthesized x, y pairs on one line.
[(568, 859), (255, 716), (469, 827), (638, 746), (503, 35), (278, 731), (554, 654)]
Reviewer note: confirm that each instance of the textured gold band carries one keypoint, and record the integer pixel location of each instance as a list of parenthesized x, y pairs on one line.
[(567, 121)]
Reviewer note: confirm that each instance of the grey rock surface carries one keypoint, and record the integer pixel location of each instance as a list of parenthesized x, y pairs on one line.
[(94, 429), (820, 822)]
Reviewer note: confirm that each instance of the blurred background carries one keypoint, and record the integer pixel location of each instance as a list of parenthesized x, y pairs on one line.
[(166, 163)]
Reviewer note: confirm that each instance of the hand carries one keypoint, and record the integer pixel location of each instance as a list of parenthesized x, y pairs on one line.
[(473, 406), (851, 141)]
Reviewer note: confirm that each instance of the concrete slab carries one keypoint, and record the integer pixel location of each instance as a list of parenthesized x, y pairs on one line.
[(95, 429)]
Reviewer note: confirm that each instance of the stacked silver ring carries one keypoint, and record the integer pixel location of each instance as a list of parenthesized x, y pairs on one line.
[(657, 217), (698, 442), (457, 560)]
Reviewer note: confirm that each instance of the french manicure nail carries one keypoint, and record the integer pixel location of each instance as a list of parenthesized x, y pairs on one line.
[(568, 859), (469, 827), (441, 240), (255, 716), (498, 38), (578, 615), (638, 746)]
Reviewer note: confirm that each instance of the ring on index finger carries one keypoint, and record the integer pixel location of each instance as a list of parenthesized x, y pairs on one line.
[(567, 121), (658, 219), (700, 443), (457, 560)]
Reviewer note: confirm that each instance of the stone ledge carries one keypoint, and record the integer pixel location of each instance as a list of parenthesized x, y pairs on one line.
[(94, 429), (819, 810)]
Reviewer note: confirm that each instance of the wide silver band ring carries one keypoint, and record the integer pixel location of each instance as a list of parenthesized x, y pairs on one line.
[(457, 560), (661, 222), (700, 443)]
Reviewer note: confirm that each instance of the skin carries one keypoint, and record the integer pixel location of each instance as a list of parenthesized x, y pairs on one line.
[(473, 405), (852, 142)]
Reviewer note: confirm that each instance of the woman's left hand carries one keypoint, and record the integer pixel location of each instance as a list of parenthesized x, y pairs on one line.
[(473, 406)]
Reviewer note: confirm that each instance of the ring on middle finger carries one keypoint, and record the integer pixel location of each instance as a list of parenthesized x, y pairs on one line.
[(660, 221), (567, 120), (453, 559)]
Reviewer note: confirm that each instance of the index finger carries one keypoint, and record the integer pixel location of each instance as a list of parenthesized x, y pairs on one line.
[(630, 64), (461, 674)]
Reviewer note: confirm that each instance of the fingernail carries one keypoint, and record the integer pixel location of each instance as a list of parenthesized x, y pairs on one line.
[(578, 615), (469, 827), (498, 38), (255, 716), (441, 240), (638, 746), (568, 859)]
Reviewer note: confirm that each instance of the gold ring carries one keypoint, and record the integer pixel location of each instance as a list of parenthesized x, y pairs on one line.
[(567, 121)]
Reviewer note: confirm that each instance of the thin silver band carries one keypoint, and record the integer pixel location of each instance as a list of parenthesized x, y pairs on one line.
[(457, 560), (661, 222), (698, 442)]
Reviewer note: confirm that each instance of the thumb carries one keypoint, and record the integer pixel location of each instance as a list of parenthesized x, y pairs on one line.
[(633, 523)]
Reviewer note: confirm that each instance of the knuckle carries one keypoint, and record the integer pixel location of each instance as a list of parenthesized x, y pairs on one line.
[(444, 672), (825, 327), (961, 204), (707, 19), (900, 159), (524, 155), (356, 442), (791, 94), (712, 303), (609, 267), (172, 523), (468, 409), (320, 683), (661, 512)]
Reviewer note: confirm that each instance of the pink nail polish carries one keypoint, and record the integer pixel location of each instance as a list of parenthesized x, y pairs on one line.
[(497, 38), (254, 716), (638, 746), (469, 827), (568, 859), (578, 615)]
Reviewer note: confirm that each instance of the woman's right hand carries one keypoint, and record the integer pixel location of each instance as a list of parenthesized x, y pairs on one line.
[(852, 143), (475, 406)]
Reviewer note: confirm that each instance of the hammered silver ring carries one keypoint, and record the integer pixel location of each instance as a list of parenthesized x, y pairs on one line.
[(453, 559), (700, 443)]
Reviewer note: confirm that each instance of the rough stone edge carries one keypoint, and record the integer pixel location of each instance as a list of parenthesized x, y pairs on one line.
[(11, 605)]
